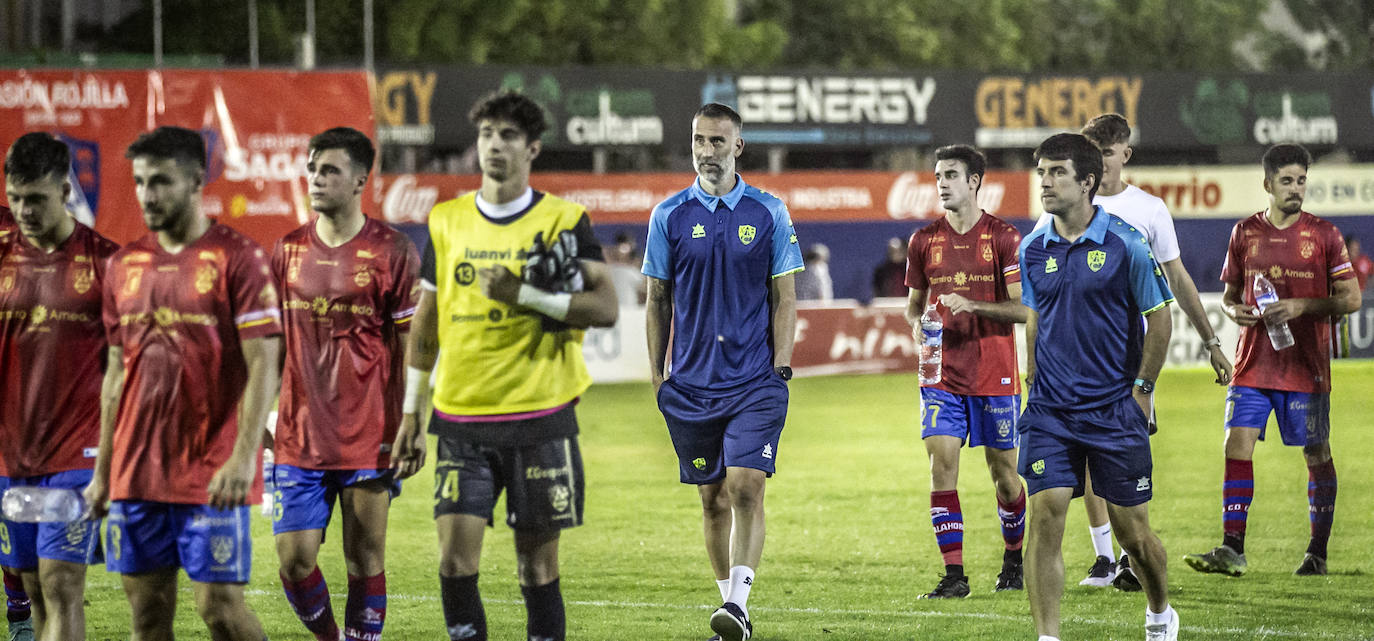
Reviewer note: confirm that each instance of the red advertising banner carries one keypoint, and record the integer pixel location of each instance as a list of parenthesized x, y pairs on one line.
[(853, 340), (257, 125), (811, 196)]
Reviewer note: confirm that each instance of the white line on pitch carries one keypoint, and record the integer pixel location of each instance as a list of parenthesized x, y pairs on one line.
[(1262, 632)]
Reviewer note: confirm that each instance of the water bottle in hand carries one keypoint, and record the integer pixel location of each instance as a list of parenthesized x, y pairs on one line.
[(1265, 295), (34, 504), (932, 338), (269, 485)]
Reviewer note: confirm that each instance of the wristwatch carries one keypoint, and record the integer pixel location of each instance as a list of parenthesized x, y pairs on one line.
[(1145, 386), (784, 372), (1214, 341)]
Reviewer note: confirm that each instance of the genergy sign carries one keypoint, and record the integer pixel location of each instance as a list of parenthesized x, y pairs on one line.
[(628, 198), (1022, 112), (1234, 191)]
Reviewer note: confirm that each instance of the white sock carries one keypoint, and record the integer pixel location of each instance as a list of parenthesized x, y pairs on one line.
[(1102, 540), (1046, 637), (741, 581), (724, 586), (1152, 618)]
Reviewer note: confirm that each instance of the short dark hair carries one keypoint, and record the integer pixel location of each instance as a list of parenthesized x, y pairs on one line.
[(1107, 129), (354, 143), (1283, 155), (974, 160), (1086, 157), (176, 143), (716, 110), (514, 106), (35, 156)]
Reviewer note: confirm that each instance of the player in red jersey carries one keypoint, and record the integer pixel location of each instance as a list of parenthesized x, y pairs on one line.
[(1306, 260), (349, 286), (193, 324), (967, 263), (51, 347)]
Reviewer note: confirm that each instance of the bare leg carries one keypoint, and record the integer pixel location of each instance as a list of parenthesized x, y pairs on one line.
[(153, 600), (716, 521), (64, 588), (1044, 557), (225, 613), (1132, 525)]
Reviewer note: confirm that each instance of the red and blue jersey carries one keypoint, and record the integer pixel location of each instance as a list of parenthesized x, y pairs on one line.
[(720, 253), (1089, 296)]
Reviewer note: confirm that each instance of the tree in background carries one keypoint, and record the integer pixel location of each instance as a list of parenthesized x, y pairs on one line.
[(978, 35)]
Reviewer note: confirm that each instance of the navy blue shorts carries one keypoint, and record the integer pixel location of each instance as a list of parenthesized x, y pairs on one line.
[(543, 482), (22, 544), (1303, 418), (713, 433), (304, 497), (1112, 442), (977, 420)]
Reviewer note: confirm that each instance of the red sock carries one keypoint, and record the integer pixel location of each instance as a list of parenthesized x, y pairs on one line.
[(17, 604), (948, 521), (1237, 491), (366, 609), (309, 597), (1321, 500), (1013, 516)]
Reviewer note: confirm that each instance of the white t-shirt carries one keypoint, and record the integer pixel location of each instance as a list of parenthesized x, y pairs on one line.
[(1146, 213)]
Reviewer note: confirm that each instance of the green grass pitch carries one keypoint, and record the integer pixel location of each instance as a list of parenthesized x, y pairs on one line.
[(849, 540)]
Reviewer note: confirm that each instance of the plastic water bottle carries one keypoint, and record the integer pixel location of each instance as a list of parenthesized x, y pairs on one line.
[(34, 504), (269, 485), (932, 339), (1265, 295)]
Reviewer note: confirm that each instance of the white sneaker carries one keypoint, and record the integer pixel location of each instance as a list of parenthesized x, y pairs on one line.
[(1163, 631), (1101, 573)]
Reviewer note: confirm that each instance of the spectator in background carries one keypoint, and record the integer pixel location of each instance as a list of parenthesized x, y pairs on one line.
[(624, 262), (889, 278), (1362, 264), (815, 283)]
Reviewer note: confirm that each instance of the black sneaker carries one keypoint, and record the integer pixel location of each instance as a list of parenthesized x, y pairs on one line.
[(1100, 575), (1010, 578), (1125, 579), (950, 587), (1312, 565), (730, 624)]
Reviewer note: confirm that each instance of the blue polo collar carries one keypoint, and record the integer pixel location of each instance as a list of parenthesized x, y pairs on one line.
[(731, 199), (1096, 231)]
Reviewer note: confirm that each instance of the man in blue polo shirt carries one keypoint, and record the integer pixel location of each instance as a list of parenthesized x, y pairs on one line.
[(720, 260), (1087, 280)]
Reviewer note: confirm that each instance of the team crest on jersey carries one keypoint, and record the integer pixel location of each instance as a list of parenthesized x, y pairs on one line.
[(293, 269), (746, 234), (221, 548), (987, 253), (1306, 249), (132, 279), (1096, 259), (1254, 248), (81, 280), (7, 277), (205, 278), (960, 279), (268, 296), (559, 496), (937, 255), (1276, 272), (362, 276), (698, 231), (1051, 265)]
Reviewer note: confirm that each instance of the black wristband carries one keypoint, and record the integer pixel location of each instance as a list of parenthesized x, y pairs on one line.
[(784, 372)]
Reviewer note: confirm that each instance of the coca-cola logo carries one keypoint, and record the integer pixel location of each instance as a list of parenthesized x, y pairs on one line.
[(912, 198), (407, 201)]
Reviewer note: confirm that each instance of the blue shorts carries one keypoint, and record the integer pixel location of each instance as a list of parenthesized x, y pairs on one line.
[(1112, 442), (304, 498), (1303, 417), (979, 420), (214, 546), (22, 544), (712, 433)]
